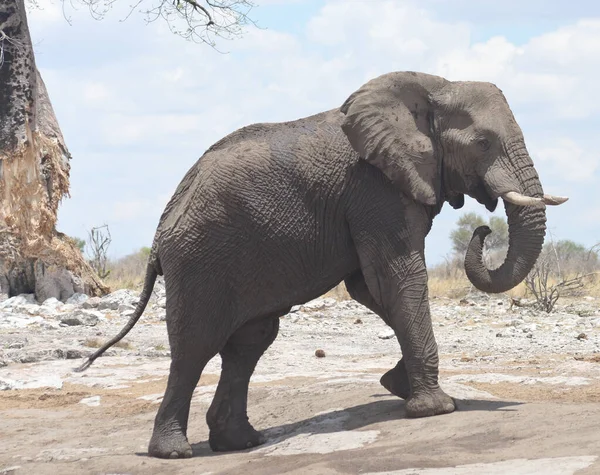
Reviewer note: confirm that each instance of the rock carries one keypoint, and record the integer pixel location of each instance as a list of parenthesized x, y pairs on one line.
[(320, 354), (52, 302), (15, 345), (48, 381), (358, 321), (529, 328), (18, 300), (125, 307), (19, 321), (319, 304), (77, 299), (74, 354), (82, 317), (119, 297), (162, 302), (92, 401), (582, 336), (387, 334), (92, 302), (11, 470), (54, 281)]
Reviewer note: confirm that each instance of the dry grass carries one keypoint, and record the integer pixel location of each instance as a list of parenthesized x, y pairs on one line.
[(128, 272), (97, 343), (447, 280)]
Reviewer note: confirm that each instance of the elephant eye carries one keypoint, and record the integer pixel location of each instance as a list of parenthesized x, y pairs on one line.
[(484, 144)]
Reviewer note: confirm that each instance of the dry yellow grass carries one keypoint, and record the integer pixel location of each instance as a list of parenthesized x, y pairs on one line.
[(97, 343)]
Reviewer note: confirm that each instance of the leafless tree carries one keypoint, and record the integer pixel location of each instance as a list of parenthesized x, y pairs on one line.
[(202, 21), (547, 281), (99, 240)]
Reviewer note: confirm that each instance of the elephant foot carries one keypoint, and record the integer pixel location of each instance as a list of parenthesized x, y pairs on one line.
[(425, 404), (396, 381), (171, 446), (235, 437)]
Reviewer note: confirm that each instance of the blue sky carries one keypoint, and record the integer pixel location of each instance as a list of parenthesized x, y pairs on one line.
[(138, 106)]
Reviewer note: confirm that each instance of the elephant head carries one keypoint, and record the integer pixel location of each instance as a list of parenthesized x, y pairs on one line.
[(439, 140)]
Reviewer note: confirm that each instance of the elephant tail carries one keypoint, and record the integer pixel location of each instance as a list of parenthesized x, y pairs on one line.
[(151, 274)]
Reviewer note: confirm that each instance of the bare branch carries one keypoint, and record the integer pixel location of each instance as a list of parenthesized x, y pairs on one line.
[(201, 21), (99, 240)]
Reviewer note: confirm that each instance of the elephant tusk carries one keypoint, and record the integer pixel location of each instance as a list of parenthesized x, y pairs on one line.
[(555, 200), (522, 200)]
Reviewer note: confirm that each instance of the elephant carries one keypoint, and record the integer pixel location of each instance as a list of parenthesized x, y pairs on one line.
[(276, 214)]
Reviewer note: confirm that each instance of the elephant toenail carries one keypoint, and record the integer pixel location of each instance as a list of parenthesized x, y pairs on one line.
[(248, 444), (174, 455), (188, 454)]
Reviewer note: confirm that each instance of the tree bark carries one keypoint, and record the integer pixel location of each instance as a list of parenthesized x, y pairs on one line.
[(34, 176)]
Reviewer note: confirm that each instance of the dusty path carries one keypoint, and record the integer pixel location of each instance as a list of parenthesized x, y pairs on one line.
[(526, 404)]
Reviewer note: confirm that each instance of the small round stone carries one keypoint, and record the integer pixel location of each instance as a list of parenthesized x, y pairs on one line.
[(320, 354)]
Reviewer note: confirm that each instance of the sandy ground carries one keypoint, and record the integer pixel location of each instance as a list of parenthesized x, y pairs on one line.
[(526, 404)]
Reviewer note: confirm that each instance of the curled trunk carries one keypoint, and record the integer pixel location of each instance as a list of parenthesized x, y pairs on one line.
[(34, 176), (526, 229)]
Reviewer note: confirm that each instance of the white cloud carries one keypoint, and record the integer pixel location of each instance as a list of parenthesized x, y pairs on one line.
[(568, 160)]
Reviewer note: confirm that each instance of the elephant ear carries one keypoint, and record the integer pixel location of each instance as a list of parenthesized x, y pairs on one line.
[(388, 123)]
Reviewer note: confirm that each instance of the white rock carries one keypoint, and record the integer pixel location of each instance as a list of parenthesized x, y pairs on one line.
[(22, 299), (77, 299), (52, 302), (119, 297), (82, 317), (45, 381), (19, 321), (91, 302), (92, 401), (387, 334)]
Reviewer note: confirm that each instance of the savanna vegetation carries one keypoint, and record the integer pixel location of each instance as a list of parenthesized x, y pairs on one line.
[(564, 269)]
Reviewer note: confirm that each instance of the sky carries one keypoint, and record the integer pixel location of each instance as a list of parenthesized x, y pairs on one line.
[(138, 105)]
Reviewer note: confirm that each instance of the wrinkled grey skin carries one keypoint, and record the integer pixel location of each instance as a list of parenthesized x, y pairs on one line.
[(274, 215)]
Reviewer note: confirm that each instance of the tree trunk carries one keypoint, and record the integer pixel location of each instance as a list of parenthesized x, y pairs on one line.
[(34, 176)]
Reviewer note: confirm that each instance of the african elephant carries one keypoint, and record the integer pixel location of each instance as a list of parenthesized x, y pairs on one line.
[(276, 214)]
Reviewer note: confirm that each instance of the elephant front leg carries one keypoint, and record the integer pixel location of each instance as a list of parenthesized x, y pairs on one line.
[(398, 283), (396, 379)]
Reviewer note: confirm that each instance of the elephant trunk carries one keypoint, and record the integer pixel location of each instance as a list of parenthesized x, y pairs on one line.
[(526, 228)]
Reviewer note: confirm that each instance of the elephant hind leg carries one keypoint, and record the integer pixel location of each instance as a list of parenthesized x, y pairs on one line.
[(169, 438), (192, 347), (227, 416), (396, 380)]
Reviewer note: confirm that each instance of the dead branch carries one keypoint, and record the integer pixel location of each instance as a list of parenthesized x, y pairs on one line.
[(200, 21), (99, 240)]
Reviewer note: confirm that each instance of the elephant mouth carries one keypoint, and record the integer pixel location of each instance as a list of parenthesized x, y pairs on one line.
[(482, 196)]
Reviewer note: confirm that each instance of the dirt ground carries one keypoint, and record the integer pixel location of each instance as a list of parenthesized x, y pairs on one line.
[(534, 411)]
